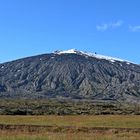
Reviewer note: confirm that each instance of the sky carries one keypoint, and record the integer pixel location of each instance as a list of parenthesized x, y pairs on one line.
[(107, 27)]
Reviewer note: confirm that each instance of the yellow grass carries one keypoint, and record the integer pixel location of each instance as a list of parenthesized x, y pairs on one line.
[(68, 136), (111, 121)]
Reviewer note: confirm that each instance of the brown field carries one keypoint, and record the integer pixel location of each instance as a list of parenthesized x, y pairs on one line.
[(68, 136), (78, 127)]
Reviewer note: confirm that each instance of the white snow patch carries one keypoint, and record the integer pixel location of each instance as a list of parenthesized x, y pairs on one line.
[(98, 56), (112, 61), (68, 51), (2, 67)]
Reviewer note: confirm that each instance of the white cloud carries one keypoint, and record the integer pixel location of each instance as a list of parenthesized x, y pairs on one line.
[(117, 24), (102, 27), (135, 28), (106, 26)]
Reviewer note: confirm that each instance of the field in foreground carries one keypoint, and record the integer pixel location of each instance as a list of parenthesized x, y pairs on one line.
[(69, 136), (113, 121), (78, 127)]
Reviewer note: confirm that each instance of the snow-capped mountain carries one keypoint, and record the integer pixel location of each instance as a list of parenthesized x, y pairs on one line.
[(71, 75), (98, 56)]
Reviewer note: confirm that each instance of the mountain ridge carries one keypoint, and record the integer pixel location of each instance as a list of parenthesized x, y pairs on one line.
[(75, 51), (74, 75)]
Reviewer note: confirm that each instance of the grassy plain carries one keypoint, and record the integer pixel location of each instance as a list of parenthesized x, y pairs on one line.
[(70, 136), (77, 121), (111, 121)]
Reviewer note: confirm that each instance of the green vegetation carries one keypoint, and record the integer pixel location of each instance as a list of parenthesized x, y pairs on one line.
[(55, 107), (68, 120)]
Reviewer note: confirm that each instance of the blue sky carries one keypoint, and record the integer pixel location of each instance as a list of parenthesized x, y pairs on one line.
[(108, 27)]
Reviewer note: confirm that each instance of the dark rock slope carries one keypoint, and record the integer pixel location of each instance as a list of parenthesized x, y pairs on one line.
[(70, 76)]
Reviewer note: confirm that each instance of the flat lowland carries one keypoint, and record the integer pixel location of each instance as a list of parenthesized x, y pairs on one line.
[(75, 127), (109, 121)]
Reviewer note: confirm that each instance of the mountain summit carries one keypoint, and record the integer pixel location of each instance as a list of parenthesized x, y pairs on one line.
[(71, 75), (74, 51)]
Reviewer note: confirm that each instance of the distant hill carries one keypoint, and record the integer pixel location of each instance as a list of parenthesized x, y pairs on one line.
[(72, 75)]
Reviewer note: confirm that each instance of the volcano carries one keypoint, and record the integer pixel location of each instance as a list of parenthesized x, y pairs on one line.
[(72, 75)]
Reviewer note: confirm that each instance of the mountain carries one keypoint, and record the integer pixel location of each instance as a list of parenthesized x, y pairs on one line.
[(72, 75)]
